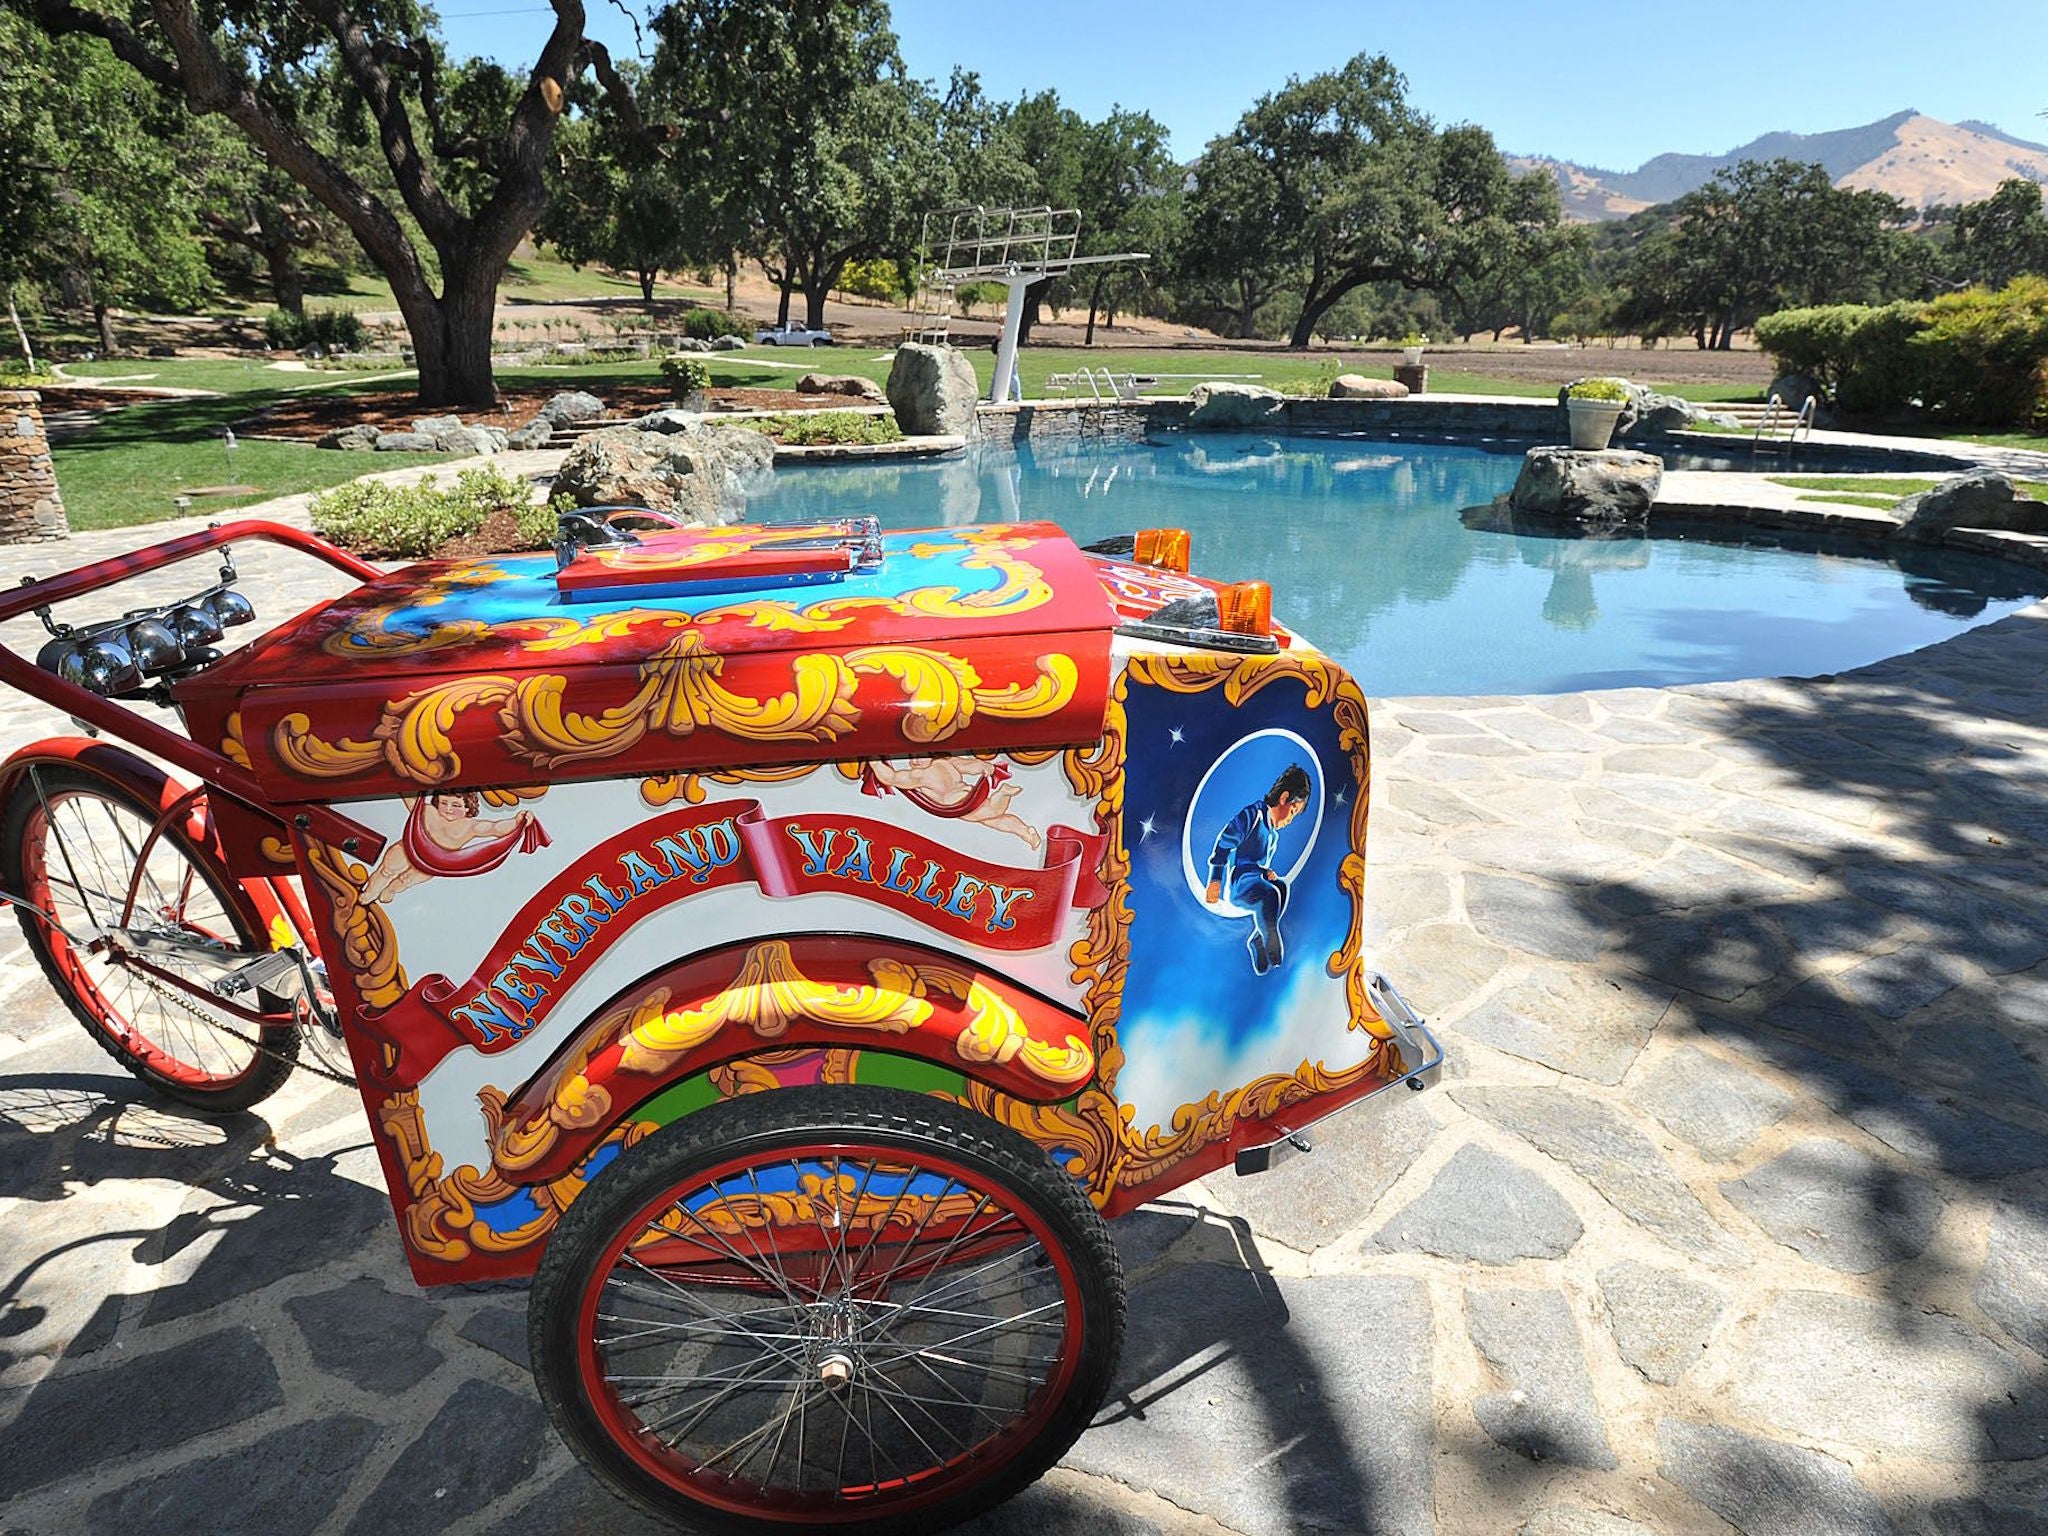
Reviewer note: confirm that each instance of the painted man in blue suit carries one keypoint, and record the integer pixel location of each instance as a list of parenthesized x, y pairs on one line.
[(1242, 863)]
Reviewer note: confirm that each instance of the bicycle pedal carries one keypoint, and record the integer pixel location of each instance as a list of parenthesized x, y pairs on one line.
[(276, 974)]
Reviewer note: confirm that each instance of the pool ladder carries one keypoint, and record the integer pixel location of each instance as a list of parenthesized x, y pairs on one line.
[(1778, 418)]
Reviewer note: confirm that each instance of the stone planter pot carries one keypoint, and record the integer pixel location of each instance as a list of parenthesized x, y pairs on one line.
[(1412, 356), (1593, 422), (697, 401)]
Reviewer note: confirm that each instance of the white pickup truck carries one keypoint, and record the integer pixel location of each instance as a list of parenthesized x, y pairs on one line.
[(792, 335)]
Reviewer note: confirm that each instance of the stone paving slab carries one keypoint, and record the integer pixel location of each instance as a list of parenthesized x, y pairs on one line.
[(1746, 989)]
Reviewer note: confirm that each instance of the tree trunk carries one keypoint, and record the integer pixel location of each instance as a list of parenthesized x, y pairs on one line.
[(732, 281), (814, 306), (104, 319), (647, 290), (1034, 296), (1312, 311), (1094, 303), (287, 281), (782, 305), (453, 338), (28, 353)]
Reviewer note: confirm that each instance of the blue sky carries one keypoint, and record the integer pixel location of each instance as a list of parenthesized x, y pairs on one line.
[(1607, 87)]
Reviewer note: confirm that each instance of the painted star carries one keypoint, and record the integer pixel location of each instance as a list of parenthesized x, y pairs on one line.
[(1146, 828), (1340, 797), (1176, 735)]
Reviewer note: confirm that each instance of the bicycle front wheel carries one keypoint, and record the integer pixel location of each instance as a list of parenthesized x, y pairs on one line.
[(73, 845)]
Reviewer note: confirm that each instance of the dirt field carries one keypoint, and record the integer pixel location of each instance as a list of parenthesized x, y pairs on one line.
[(307, 416), (1542, 363)]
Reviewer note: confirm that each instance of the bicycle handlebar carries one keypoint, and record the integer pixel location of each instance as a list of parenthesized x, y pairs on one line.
[(181, 751)]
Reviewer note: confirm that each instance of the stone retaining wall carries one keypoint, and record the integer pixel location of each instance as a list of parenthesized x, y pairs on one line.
[(30, 506), (1134, 418)]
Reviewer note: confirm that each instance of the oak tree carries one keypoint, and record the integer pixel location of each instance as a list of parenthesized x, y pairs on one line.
[(466, 150)]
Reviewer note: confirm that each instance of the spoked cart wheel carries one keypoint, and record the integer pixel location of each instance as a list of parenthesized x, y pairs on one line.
[(74, 845), (854, 1308)]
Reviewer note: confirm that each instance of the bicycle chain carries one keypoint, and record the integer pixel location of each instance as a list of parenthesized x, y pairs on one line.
[(180, 1000)]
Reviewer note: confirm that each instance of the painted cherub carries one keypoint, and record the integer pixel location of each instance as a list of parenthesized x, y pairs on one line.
[(446, 834), (958, 788)]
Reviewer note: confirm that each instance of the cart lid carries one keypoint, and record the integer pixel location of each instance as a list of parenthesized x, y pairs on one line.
[(692, 655)]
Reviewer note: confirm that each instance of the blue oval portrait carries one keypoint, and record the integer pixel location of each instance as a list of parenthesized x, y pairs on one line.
[(1253, 822)]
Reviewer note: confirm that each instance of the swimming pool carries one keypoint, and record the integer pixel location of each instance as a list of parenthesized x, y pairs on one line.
[(1366, 554)]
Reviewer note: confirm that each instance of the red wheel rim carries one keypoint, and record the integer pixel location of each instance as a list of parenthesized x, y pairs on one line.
[(759, 1287), (174, 891)]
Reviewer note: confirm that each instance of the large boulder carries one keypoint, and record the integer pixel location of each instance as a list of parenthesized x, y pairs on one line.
[(1224, 406), (932, 391), (690, 344), (841, 384), (1979, 498), (727, 344), (537, 433), (406, 442), (1356, 386), (434, 426), (471, 440), (360, 438), (1795, 389), (1611, 488), (668, 419), (701, 472), (572, 406)]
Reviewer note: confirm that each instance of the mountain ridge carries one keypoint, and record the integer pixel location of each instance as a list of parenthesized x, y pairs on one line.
[(1920, 160)]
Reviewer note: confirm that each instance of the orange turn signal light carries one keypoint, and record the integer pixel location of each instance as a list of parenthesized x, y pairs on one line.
[(1166, 548), (1246, 608)]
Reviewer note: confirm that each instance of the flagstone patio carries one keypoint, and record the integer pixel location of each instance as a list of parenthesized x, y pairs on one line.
[(1729, 1213)]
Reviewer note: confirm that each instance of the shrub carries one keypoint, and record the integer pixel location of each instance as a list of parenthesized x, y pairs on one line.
[(878, 279), (710, 324), (968, 295), (1861, 355), (686, 375), (1984, 354), (411, 522), (804, 428), (1598, 389), (330, 329)]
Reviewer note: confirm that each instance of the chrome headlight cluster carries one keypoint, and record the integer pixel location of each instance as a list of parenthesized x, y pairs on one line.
[(118, 659)]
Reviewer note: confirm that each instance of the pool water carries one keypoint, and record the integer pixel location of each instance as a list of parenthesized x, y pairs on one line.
[(1367, 555)]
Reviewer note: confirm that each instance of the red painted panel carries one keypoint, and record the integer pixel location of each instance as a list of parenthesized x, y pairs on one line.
[(786, 994)]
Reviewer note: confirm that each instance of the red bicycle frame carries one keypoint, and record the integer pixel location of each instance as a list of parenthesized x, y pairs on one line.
[(216, 771)]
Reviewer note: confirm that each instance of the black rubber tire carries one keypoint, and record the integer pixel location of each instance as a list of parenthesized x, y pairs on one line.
[(267, 1072), (778, 1120)]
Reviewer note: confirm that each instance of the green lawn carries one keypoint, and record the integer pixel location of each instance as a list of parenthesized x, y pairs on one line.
[(226, 375), (1880, 491), (2033, 440), (129, 468), (539, 279)]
